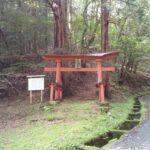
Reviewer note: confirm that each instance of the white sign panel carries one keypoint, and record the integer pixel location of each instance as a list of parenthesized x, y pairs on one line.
[(35, 83)]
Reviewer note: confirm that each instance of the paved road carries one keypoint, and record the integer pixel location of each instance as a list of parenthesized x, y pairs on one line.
[(139, 137)]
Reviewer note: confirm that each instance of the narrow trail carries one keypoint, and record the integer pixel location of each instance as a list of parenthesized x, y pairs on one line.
[(139, 137)]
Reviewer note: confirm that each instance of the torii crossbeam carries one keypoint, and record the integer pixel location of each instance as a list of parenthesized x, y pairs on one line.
[(56, 91)]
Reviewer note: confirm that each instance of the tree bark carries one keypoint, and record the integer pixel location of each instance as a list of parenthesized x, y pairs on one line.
[(105, 39), (104, 25), (60, 31), (4, 38)]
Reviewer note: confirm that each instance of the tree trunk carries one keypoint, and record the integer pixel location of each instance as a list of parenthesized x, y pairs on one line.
[(105, 39), (46, 30), (60, 31), (4, 38), (104, 25), (35, 33), (69, 23)]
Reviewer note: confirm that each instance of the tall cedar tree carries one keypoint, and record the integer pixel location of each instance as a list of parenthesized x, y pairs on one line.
[(59, 9)]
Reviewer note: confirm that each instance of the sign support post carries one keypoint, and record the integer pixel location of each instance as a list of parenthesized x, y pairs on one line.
[(41, 96), (30, 97)]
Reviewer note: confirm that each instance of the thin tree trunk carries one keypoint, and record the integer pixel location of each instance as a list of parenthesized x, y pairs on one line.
[(105, 39), (69, 22), (35, 33), (4, 38), (104, 25), (46, 30)]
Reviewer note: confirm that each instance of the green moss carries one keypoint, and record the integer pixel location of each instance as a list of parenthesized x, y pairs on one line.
[(143, 111), (83, 147)]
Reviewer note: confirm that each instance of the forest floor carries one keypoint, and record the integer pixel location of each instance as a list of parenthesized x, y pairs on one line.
[(56, 126), (64, 125)]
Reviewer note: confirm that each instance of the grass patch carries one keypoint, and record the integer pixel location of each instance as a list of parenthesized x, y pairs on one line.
[(66, 126), (143, 111)]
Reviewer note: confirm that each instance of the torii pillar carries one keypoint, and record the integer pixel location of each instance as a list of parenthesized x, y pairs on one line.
[(100, 81)]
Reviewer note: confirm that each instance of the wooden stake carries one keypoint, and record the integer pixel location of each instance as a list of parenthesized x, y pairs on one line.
[(41, 96), (30, 97), (51, 92)]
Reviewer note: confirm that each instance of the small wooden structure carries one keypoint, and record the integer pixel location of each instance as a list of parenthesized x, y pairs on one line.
[(56, 89), (36, 83)]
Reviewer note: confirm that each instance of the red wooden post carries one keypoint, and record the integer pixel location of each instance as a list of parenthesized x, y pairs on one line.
[(100, 80), (51, 92), (61, 94), (58, 79)]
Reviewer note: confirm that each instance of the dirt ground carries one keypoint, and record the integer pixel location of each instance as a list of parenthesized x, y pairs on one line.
[(15, 109)]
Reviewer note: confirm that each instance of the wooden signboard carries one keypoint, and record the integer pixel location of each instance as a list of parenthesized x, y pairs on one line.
[(36, 83)]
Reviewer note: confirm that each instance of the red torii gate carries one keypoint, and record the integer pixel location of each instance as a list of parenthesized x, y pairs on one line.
[(56, 90)]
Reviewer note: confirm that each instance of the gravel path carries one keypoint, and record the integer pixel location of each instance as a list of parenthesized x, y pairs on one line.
[(139, 137)]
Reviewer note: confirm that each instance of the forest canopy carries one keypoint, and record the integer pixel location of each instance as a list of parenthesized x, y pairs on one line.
[(30, 26)]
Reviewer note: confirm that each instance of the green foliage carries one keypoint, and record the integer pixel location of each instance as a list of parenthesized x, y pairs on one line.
[(28, 27), (129, 33), (23, 67)]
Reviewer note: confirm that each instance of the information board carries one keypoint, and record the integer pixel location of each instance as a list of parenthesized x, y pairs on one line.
[(36, 84)]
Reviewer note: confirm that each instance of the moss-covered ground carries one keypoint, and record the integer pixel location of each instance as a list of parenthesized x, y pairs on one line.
[(63, 126)]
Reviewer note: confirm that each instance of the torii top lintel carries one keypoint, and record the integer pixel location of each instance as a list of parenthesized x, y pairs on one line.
[(98, 56)]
